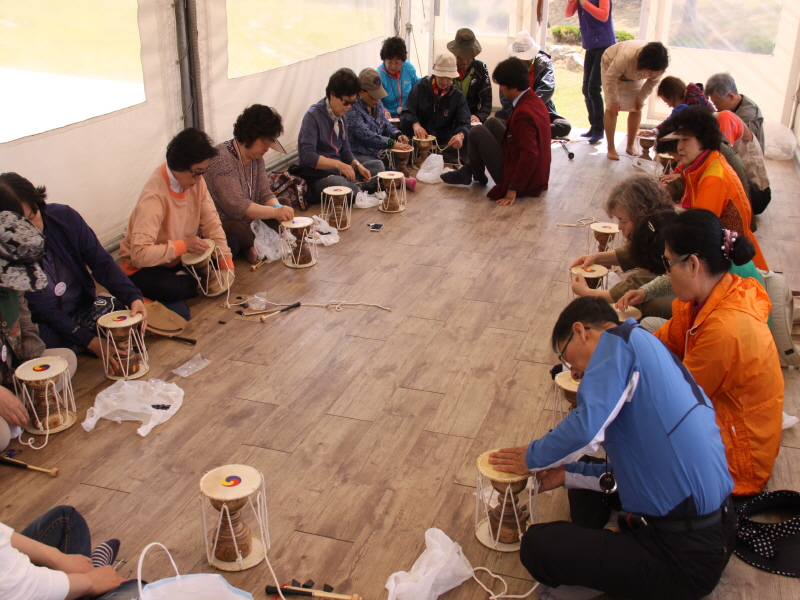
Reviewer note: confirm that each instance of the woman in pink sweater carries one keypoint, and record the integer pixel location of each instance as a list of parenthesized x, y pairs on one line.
[(174, 213)]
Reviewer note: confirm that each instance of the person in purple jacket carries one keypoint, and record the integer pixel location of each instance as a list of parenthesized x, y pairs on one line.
[(597, 34), (68, 308), (323, 146)]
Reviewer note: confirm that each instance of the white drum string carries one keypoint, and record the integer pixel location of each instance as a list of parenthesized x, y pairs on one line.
[(584, 222), (503, 594), (205, 528), (46, 430), (262, 518)]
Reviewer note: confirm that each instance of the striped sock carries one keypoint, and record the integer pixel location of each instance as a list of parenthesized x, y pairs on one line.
[(105, 553)]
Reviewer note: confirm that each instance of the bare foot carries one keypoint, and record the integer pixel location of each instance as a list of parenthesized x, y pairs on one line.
[(612, 154), (630, 151), (251, 255)]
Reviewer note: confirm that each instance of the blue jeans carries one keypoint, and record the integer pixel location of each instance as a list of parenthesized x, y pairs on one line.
[(374, 166), (64, 528), (593, 88)]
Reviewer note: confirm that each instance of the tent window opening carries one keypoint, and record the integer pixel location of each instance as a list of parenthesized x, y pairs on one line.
[(267, 35), (484, 17), (744, 26), (65, 62)]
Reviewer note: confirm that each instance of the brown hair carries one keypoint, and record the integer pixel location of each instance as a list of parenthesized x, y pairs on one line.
[(672, 88)]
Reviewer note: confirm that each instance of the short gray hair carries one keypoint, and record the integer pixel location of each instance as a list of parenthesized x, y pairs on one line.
[(721, 84)]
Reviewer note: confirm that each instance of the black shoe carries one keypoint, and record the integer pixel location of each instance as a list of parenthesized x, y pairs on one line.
[(596, 138), (482, 179), (589, 133), (462, 176)]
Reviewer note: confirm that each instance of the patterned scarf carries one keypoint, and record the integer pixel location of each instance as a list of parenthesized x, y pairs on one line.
[(337, 121), (21, 248)]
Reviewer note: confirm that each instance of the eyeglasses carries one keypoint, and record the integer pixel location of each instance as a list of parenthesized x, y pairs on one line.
[(668, 263), (348, 102), (561, 354), (198, 174)]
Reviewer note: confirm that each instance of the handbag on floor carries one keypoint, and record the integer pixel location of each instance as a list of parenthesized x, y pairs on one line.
[(202, 586)]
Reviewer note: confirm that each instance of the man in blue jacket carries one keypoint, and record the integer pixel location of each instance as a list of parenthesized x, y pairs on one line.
[(676, 529), (68, 308)]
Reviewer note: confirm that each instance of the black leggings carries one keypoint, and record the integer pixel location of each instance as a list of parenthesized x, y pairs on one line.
[(164, 284)]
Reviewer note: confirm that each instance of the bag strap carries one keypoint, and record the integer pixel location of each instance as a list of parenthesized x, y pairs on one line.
[(141, 561)]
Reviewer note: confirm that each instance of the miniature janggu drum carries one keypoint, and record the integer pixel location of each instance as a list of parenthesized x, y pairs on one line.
[(422, 148), (593, 274), (301, 252), (211, 280), (503, 526), (629, 313), (646, 142), (37, 384), (394, 184), (568, 387), (122, 342), (337, 206), (604, 233), (399, 157), (235, 492)]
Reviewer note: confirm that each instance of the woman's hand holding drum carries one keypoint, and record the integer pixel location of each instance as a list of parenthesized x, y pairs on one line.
[(579, 286), (585, 260), (195, 245)]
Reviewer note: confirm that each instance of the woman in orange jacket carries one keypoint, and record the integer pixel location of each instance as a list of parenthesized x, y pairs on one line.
[(709, 181), (719, 330)]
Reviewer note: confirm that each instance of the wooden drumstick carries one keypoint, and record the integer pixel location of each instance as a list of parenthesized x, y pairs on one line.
[(277, 312), (21, 465), (258, 264), (299, 591)]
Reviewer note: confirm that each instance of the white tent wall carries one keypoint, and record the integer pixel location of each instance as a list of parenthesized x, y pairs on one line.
[(290, 89), (768, 80), (99, 166)]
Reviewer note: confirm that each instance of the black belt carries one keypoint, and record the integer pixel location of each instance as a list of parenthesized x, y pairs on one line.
[(635, 521)]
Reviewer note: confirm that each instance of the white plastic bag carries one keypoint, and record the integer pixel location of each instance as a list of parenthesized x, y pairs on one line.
[(193, 365), (779, 141), (324, 233), (432, 169), (789, 421), (267, 242), (365, 200), (136, 401), (202, 586), (441, 567)]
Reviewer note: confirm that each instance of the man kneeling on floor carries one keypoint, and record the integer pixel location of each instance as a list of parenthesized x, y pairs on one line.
[(516, 153), (675, 530)]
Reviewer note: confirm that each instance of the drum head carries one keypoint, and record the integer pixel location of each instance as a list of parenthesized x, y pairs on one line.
[(605, 227), (336, 190), (298, 223), (390, 175), (590, 272), (193, 259), (565, 381), (430, 138), (230, 482), (44, 367), (487, 470), (398, 151), (631, 313), (119, 318)]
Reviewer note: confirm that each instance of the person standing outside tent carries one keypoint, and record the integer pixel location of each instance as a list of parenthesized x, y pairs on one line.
[(597, 35)]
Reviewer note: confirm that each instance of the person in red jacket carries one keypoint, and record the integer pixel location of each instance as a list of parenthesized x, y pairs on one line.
[(516, 153)]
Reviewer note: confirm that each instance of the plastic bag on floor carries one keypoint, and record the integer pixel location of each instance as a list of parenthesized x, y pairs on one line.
[(441, 567), (196, 363), (365, 200), (267, 242), (779, 141), (151, 402), (789, 421), (432, 169), (324, 233)]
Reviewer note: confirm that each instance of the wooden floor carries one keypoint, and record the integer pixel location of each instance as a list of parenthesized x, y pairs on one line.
[(366, 423)]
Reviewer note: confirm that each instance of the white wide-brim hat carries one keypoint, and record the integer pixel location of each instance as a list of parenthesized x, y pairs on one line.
[(523, 46), (445, 66)]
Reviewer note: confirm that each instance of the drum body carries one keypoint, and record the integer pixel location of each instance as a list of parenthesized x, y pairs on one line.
[(393, 183), (337, 206), (568, 387), (301, 251), (502, 526), (422, 149), (594, 274), (211, 280), (45, 388), (122, 342), (236, 494), (605, 234), (399, 157)]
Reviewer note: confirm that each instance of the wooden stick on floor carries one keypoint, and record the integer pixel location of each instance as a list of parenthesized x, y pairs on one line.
[(21, 465)]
